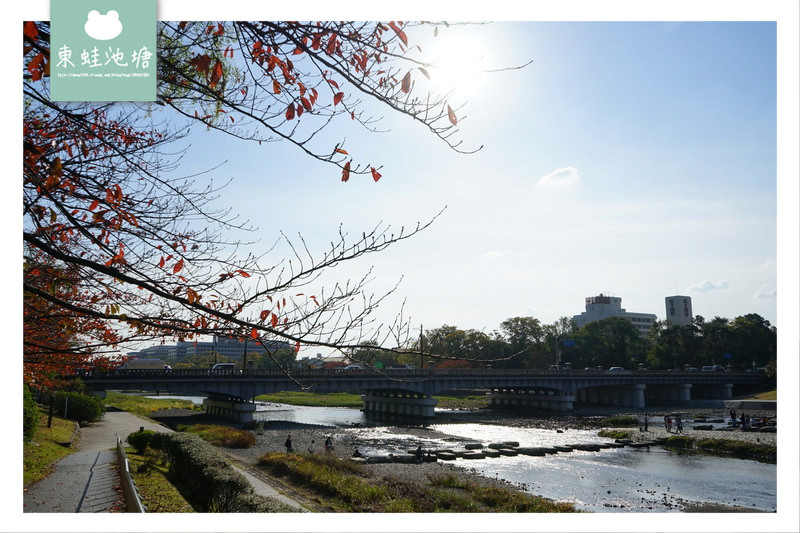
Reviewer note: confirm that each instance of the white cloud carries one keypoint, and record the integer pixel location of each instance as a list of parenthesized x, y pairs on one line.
[(706, 286), (765, 293), (562, 177)]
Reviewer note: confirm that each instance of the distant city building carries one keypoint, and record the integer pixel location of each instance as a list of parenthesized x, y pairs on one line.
[(601, 306), (679, 310), (232, 348)]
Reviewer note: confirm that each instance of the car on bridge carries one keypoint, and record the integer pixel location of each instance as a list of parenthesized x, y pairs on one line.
[(224, 368)]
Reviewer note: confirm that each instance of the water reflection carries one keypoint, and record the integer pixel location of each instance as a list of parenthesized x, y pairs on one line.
[(611, 480)]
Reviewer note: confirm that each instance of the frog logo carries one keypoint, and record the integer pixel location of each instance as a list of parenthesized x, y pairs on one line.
[(103, 27)]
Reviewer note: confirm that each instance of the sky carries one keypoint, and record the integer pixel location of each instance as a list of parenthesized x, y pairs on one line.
[(634, 159), (638, 159)]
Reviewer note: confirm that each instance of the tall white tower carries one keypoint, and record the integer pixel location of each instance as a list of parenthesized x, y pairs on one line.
[(679, 310)]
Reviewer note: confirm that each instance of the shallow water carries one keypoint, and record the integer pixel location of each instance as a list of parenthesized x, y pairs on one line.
[(611, 480)]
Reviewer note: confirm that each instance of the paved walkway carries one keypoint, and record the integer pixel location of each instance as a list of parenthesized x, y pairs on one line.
[(87, 481)]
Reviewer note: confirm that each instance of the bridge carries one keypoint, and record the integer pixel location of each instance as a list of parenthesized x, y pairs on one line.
[(230, 393)]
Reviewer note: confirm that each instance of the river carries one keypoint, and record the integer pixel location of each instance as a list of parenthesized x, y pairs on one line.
[(611, 480)]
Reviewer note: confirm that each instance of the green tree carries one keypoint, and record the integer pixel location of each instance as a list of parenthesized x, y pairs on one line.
[(609, 342), (525, 337), (755, 341)]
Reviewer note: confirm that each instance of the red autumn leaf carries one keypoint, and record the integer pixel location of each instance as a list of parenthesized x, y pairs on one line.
[(94, 205), (399, 33), (346, 171), (216, 75), (243, 274), (35, 67), (30, 30), (405, 85), (178, 267), (305, 103), (337, 98), (290, 112), (297, 346), (452, 116), (263, 316), (201, 63), (276, 87), (375, 174), (254, 333), (274, 320), (162, 262)]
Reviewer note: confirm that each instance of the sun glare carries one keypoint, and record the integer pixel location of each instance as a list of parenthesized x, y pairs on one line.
[(457, 63)]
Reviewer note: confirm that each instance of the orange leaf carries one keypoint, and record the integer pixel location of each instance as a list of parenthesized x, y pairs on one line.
[(375, 174), (216, 75), (305, 103), (346, 171), (254, 333), (405, 85), (337, 98), (399, 33), (452, 116), (276, 87), (178, 267), (341, 151), (94, 205)]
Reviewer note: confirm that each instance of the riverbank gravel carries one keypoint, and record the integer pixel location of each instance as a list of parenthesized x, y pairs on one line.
[(273, 436)]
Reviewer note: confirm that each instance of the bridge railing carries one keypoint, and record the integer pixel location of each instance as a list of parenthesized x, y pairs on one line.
[(394, 373)]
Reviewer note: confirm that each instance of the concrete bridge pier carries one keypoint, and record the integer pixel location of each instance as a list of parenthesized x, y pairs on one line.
[(681, 392), (619, 396), (722, 391), (230, 408), (400, 403)]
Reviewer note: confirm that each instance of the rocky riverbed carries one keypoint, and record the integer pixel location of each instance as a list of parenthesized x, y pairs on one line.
[(272, 436)]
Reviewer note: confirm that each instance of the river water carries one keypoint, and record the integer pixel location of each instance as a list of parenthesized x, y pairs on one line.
[(611, 480)]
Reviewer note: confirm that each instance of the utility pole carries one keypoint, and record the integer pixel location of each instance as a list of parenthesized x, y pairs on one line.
[(420, 345)]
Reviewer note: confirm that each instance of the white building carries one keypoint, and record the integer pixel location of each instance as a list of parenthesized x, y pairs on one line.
[(679, 310), (601, 306)]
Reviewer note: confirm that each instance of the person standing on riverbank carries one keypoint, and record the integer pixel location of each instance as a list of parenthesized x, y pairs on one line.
[(288, 444), (328, 445), (311, 447)]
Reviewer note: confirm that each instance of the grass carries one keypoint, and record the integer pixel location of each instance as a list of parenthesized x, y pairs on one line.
[(346, 399), (335, 399), (615, 434), (726, 448), (225, 436), (48, 446), (344, 486), (142, 406), (771, 395), (157, 492)]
